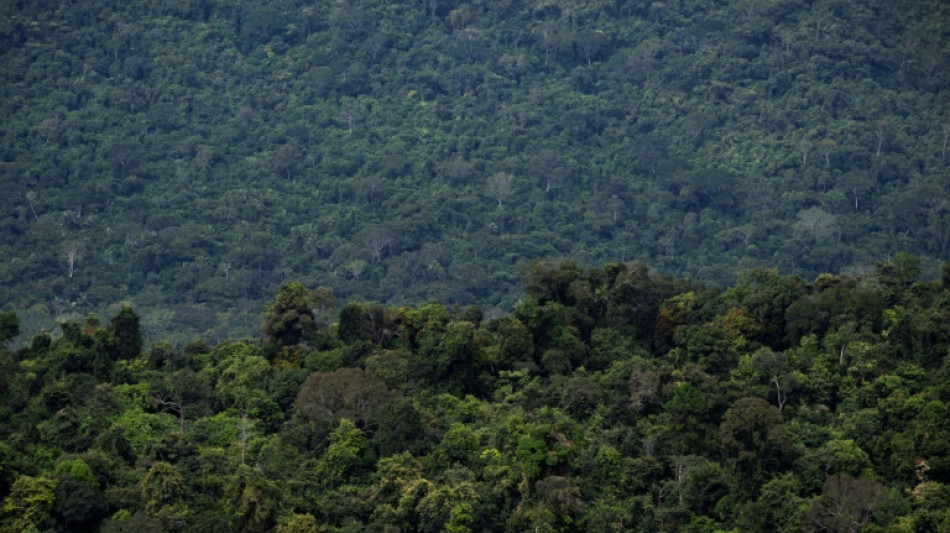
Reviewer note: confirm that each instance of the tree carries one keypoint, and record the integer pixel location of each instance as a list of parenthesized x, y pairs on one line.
[(125, 337), (377, 241), (846, 505), (449, 357), (350, 111), (767, 296), (778, 507), (775, 367), (298, 523), (753, 439), (827, 146), (881, 133), (856, 183), (560, 502), (173, 392), (500, 186), (30, 197), (350, 393), (253, 500), (367, 322), (687, 406), (805, 146), (345, 453), (713, 188), (49, 128), (242, 379), (72, 251), (354, 323), (80, 505), (815, 223), (551, 280), (459, 171), (285, 159), (125, 153), (946, 137), (372, 186), (29, 504), (590, 43), (9, 325), (291, 317), (649, 151)]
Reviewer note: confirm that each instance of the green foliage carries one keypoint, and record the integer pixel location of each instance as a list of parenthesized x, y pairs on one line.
[(79, 504), (220, 430), (847, 504), (448, 357), (410, 151), (460, 519), (298, 523), (9, 325), (125, 338), (76, 469), (253, 500), (752, 437), (291, 317), (29, 504), (344, 456), (354, 323), (686, 408), (139, 429), (347, 393), (612, 399)]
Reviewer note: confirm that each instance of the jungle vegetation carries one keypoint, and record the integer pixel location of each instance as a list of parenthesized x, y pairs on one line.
[(610, 399), (192, 156)]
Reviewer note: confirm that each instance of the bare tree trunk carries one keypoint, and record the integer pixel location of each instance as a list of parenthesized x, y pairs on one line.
[(31, 195), (175, 407), (946, 135), (244, 426), (780, 398), (70, 254)]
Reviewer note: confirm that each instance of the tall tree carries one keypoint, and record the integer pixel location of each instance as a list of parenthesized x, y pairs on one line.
[(125, 337), (291, 317), (9, 325)]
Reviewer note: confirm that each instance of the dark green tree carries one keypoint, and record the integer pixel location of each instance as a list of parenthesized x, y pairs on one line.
[(125, 338), (753, 440), (9, 325), (253, 501), (291, 317)]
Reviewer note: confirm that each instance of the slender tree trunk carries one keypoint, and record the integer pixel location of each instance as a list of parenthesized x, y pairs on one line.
[(32, 210), (680, 475), (781, 399)]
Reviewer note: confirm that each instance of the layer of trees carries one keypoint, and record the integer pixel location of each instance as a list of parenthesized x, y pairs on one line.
[(196, 155), (610, 399)]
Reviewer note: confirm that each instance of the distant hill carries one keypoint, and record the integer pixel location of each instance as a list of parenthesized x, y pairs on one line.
[(192, 156)]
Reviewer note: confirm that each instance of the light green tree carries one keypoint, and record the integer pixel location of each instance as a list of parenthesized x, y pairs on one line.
[(28, 506)]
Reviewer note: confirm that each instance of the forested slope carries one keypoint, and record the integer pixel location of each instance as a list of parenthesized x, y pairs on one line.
[(191, 156), (611, 399)]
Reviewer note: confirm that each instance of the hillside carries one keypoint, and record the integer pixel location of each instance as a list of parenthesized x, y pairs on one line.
[(190, 157), (611, 399)]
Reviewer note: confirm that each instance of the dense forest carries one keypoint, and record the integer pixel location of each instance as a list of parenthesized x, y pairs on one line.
[(191, 156), (610, 399)]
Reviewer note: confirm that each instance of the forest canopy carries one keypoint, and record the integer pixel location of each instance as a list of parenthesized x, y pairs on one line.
[(191, 157), (610, 399), (289, 266)]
